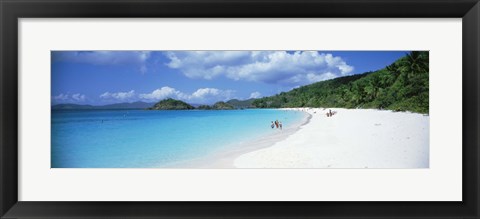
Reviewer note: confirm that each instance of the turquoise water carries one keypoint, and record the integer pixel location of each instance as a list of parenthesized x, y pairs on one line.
[(143, 139)]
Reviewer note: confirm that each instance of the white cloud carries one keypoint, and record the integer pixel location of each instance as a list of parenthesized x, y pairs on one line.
[(275, 67), (66, 98), (61, 97), (78, 97), (202, 95), (163, 93), (203, 92), (138, 58), (255, 94), (118, 95)]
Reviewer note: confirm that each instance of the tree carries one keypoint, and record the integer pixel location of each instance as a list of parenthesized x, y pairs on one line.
[(402, 85)]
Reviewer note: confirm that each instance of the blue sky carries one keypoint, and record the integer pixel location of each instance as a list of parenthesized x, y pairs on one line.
[(198, 77)]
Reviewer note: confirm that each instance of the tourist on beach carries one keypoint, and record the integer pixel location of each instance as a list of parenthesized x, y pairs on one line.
[(329, 113), (276, 123), (280, 124), (272, 125)]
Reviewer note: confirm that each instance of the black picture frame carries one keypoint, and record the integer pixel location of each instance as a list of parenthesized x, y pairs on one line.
[(12, 10)]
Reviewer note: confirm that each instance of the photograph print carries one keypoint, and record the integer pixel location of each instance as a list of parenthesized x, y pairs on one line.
[(240, 109)]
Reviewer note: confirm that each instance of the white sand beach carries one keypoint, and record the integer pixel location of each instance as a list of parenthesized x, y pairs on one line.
[(352, 138)]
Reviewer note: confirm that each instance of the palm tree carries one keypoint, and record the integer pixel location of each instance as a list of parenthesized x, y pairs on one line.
[(395, 69), (417, 62)]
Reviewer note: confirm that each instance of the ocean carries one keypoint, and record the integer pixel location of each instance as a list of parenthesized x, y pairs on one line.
[(154, 138)]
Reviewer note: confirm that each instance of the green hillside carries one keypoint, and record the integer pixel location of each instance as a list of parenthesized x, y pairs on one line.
[(217, 106), (222, 106), (401, 86), (241, 103), (171, 104), (204, 107)]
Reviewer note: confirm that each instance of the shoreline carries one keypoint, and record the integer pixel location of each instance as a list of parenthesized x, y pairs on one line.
[(225, 157), (352, 138)]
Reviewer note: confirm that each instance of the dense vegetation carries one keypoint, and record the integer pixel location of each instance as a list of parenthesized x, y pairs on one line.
[(241, 103), (204, 107), (217, 106), (401, 86), (171, 104), (222, 106)]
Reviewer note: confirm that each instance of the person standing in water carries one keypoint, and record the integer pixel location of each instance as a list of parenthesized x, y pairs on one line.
[(272, 125), (280, 124)]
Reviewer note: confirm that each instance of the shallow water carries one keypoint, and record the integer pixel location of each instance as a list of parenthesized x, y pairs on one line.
[(144, 139)]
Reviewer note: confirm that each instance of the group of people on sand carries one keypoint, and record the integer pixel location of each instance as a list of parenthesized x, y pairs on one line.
[(330, 113), (276, 124)]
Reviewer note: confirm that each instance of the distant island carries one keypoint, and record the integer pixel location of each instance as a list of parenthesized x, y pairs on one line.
[(171, 104), (242, 103), (166, 104), (217, 106), (133, 105)]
